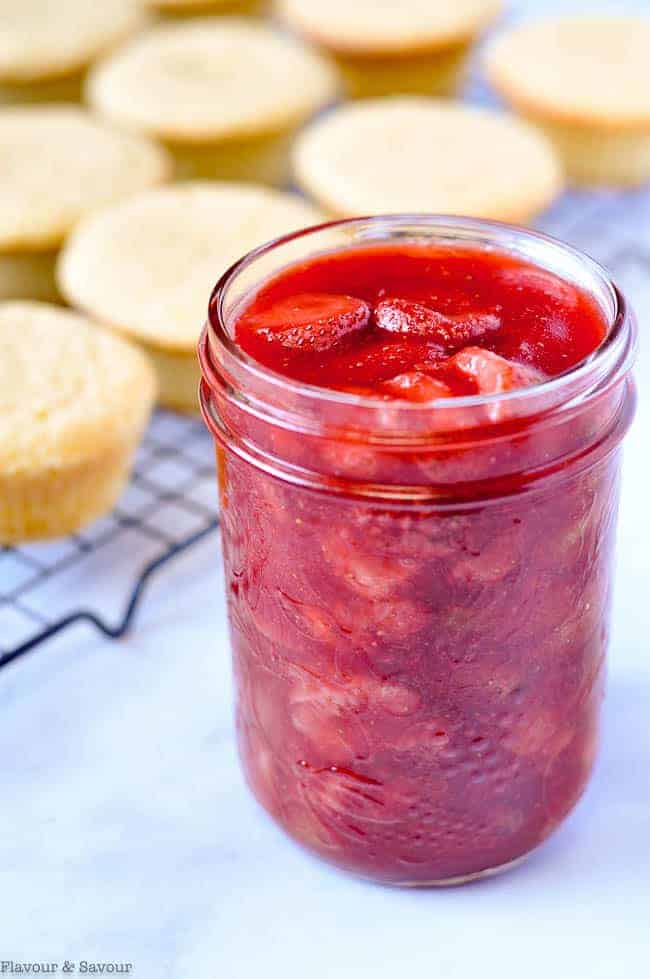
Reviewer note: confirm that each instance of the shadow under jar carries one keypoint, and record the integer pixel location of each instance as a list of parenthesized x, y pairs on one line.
[(418, 593)]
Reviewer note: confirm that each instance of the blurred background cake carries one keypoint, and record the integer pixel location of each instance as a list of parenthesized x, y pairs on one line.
[(146, 267), (410, 154), (58, 163), (417, 46), (45, 47), (586, 82), (224, 95)]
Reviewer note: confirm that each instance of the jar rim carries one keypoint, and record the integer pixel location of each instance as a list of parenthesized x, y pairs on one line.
[(614, 355)]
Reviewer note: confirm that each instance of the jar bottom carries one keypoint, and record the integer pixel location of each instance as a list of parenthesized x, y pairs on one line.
[(464, 878)]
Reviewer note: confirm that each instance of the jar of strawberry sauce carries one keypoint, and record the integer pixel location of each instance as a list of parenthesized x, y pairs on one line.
[(418, 424)]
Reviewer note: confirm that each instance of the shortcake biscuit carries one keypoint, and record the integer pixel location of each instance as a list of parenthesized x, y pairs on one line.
[(46, 47), (413, 154), (58, 164), (224, 94), (74, 401), (147, 267), (415, 46), (585, 81)]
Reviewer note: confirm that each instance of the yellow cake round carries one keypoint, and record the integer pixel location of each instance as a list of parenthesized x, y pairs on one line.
[(225, 95), (58, 164), (415, 46), (74, 401), (413, 154), (147, 267), (586, 82), (46, 47)]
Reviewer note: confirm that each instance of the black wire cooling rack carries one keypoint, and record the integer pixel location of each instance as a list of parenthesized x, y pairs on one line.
[(171, 502), (169, 506)]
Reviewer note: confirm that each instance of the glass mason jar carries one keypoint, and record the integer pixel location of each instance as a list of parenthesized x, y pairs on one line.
[(418, 594)]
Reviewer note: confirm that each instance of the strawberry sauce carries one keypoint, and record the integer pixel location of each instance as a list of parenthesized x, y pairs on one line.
[(357, 320), (419, 620)]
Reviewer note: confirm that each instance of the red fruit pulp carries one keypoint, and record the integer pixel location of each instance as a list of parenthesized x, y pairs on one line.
[(419, 679), (355, 319), (310, 324)]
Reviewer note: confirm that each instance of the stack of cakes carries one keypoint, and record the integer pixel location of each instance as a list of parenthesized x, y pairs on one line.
[(224, 95), (414, 46), (584, 82), (414, 154)]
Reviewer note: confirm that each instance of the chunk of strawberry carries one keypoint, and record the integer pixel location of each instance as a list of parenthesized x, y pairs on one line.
[(547, 285), (491, 374), (327, 717), (416, 386), (313, 322), (370, 575), (489, 564), (416, 319), (403, 316), (398, 700), (427, 737), (391, 620), (468, 328), (541, 735)]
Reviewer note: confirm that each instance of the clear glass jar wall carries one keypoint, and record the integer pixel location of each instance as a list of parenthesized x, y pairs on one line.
[(418, 595)]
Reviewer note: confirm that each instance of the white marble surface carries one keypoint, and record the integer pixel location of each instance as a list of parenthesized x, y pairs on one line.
[(127, 834)]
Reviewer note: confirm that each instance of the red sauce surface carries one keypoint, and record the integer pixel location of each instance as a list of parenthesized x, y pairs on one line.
[(419, 322)]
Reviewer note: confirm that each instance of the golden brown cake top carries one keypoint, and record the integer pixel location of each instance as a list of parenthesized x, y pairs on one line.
[(417, 154), (589, 70), (147, 266), (375, 27), (67, 388), (212, 79), (41, 39), (58, 164)]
